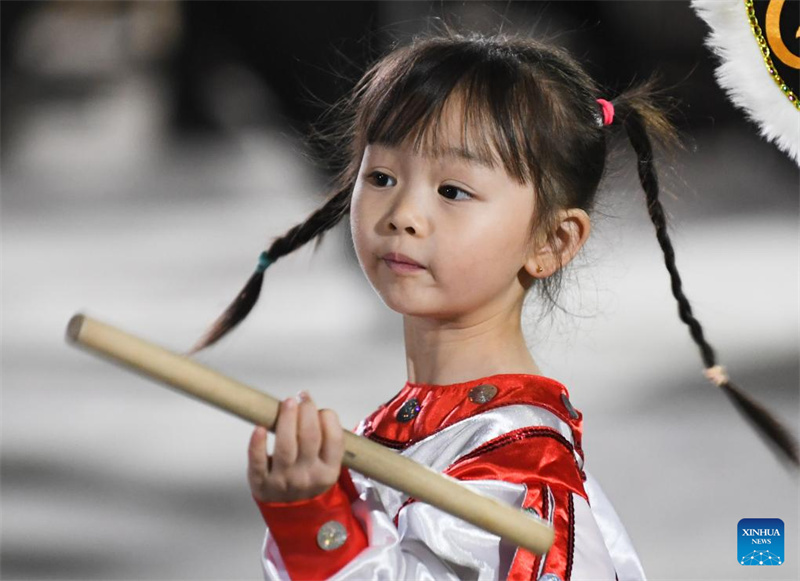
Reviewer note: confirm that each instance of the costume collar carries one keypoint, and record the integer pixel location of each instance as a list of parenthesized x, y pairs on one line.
[(422, 409)]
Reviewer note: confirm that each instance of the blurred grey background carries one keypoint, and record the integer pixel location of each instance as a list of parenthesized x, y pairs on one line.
[(151, 150)]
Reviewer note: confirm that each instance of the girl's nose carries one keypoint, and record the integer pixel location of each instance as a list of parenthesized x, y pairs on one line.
[(408, 227), (407, 215)]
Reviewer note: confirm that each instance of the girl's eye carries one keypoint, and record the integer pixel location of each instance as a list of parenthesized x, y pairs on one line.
[(453, 190), (383, 180), (379, 178)]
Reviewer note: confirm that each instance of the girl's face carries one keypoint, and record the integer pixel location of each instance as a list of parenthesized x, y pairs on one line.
[(464, 222)]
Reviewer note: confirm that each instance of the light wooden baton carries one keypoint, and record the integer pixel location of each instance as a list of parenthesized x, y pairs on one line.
[(361, 454)]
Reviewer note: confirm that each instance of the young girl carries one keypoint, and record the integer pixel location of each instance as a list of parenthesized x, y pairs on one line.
[(471, 166)]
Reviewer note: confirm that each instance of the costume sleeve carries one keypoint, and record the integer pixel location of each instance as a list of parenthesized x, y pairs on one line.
[(312, 538), (405, 539)]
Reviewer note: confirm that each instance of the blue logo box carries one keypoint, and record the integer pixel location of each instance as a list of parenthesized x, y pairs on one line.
[(760, 541)]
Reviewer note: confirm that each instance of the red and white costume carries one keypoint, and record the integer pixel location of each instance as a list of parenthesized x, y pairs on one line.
[(523, 446)]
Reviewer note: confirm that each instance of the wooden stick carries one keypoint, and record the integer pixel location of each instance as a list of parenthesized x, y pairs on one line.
[(361, 454)]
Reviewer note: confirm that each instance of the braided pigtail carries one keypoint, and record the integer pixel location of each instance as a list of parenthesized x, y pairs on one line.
[(637, 115), (315, 226)]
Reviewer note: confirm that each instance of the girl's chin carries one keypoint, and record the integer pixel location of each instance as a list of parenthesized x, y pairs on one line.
[(406, 305), (409, 308), (400, 305)]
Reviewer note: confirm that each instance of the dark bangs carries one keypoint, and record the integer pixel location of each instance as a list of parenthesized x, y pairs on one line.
[(403, 104)]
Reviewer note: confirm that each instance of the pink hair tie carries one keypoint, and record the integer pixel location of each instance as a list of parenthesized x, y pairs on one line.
[(608, 111)]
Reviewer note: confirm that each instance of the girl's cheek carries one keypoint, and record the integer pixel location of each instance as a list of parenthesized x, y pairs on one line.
[(355, 216), (359, 236)]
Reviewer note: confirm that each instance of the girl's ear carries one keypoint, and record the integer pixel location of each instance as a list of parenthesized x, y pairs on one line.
[(572, 231)]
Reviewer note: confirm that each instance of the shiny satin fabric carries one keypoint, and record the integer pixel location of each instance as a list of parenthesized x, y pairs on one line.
[(442, 449), (619, 544), (428, 544)]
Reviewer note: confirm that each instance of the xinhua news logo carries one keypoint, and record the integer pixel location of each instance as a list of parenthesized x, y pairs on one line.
[(760, 541)]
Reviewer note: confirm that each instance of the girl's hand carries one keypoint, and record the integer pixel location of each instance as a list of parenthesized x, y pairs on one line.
[(307, 457)]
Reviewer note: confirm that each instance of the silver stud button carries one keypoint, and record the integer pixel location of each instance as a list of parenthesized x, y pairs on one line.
[(331, 535), (549, 577), (408, 411), (482, 393), (567, 404)]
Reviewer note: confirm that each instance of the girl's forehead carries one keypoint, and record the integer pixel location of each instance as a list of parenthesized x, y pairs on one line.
[(461, 133), (466, 124), (452, 135), (444, 152)]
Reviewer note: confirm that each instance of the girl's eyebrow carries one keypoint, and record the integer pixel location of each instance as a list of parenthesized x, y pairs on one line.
[(465, 155), (458, 152)]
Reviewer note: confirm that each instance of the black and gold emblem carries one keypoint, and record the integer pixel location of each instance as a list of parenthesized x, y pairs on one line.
[(758, 45), (776, 27)]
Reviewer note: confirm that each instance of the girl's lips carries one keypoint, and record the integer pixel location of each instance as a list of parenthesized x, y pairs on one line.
[(402, 258), (402, 266)]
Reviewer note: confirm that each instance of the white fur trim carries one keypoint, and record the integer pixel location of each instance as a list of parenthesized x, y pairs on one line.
[(744, 76)]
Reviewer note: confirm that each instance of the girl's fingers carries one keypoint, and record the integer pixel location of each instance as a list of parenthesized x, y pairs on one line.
[(308, 430), (257, 451), (285, 451), (332, 438)]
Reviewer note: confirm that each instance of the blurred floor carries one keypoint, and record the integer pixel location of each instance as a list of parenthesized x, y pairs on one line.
[(108, 476)]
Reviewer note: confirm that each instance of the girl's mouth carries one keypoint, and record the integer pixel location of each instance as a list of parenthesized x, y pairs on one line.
[(402, 267)]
